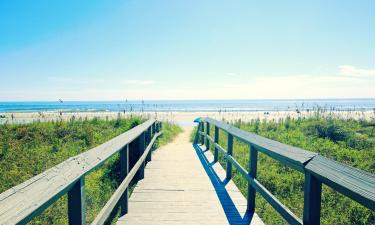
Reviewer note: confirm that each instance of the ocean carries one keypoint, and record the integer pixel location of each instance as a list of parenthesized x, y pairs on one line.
[(191, 105)]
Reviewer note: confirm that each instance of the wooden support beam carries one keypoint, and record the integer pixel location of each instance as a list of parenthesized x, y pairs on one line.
[(201, 125), (312, 200), (216, 141), (148, 139), (124, 170), (251, 192), (207, 134), (141, 149), (76, 203), (229, 152)]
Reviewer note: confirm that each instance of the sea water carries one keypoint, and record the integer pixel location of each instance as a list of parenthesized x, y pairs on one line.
[(192, 105)]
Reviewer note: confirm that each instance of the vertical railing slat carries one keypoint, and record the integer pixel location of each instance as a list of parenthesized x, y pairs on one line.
[(124, 170), (207, 134), (141, 149), (312, 200), (201, 125), (148, 140), (229, 152), (76, 203), (216, 140), (251, 192)]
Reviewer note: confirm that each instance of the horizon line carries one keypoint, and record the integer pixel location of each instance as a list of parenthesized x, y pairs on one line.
[(144, 100)]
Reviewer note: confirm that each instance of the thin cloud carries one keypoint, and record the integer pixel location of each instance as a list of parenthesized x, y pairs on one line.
[(231, 75), (140, 82), (350, 70), (301, 86)]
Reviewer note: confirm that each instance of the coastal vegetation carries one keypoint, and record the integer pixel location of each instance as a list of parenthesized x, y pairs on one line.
[(348, 141), (29, 149)]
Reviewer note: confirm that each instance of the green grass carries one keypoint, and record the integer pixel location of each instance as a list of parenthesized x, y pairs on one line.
[(350, 142), (170, 131), (29, 149)]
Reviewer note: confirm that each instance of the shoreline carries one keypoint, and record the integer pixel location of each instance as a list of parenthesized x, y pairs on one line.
[(183, 118)]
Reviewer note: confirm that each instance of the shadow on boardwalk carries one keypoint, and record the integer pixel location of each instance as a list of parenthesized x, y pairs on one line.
[(230, 209)]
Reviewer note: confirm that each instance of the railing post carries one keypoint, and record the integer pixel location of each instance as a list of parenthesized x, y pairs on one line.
[(148, 140), (312, 200), (141, 149), (207, 134), (216, 140), (201, 125), (124, 170), (251, 192), (229, 152), (159, 126), (76, 203)]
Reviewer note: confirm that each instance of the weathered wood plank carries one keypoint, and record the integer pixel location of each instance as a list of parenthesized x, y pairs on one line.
[(354, 183), (27, 200)]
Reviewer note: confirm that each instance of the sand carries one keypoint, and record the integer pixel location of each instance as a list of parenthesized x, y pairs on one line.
[(182, 118)]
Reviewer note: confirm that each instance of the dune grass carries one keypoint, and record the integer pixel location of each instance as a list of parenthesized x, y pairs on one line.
[(170, 131), (351, 142), (29, 149)]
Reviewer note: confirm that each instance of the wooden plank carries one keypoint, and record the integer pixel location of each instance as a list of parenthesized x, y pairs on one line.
[(291, 156), (354, 183), (27, 200)]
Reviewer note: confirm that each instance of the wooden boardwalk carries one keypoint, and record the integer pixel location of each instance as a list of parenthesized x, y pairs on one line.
[(182, 187)]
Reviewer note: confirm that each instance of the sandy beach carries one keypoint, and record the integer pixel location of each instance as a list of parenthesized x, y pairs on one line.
[(182, 118)]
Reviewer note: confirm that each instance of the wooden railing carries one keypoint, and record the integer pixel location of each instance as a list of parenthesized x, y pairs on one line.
[(318, 170), (23, 202)]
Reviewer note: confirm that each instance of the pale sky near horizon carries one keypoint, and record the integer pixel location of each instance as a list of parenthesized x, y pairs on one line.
[(113, 50)]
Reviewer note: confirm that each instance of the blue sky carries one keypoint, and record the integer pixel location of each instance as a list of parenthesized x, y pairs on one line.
[(112, 50)]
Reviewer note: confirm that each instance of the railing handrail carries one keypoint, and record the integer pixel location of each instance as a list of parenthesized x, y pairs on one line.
[(354, 183), (23, 202)]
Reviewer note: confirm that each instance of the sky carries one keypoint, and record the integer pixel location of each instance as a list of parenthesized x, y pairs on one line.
[(212, 49)]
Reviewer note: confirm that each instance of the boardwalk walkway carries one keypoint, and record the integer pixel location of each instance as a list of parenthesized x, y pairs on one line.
[(182, 187)]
